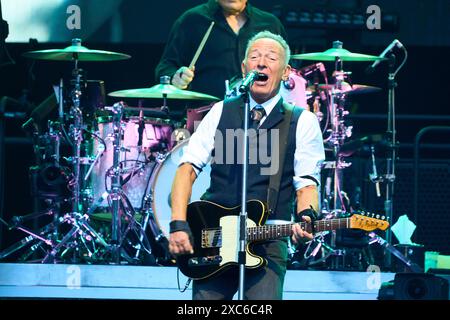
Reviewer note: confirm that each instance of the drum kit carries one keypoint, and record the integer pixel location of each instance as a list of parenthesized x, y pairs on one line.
[(118, 175), (108, 199)]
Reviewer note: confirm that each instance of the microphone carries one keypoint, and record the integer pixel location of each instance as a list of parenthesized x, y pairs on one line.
[(251, 77), (395, 43)]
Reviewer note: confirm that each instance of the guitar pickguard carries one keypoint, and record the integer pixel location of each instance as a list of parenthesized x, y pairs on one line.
[(230, 242)]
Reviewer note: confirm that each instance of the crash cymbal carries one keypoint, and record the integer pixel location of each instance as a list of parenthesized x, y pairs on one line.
[(336, 52), (346, 88), (160, 91), (76, 52)]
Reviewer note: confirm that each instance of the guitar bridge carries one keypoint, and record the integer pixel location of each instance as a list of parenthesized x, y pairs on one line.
[(211, 238)]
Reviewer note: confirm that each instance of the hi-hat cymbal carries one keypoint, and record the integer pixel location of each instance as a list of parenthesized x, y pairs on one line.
[(346, 88), (160, 91), (76, 52), (336, 52)]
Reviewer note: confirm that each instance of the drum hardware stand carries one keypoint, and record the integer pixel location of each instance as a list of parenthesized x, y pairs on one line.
[(79, 223), (374, 238), (16, 223), (338, 133), (118, 199), (78, 220), (165, 80), (146, 209), (116, 187)]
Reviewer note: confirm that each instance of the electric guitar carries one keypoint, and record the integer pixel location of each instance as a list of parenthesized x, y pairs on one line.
[(216, 238)]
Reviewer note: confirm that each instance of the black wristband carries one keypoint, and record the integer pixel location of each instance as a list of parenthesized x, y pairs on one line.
[(312, 214), (309, 213), (179, 225)]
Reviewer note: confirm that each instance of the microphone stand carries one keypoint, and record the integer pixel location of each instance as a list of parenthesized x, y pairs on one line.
[(243, 213), (391, 156)]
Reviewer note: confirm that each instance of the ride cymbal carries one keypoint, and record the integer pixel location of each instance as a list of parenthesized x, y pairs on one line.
[(76, 52), (161, 91), (336, 52)]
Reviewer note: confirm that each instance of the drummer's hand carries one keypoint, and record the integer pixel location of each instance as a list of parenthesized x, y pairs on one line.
[(183, 77), (299, 235), (179, 243)]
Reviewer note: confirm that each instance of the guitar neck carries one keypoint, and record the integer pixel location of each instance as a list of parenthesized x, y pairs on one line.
[(273, 231)]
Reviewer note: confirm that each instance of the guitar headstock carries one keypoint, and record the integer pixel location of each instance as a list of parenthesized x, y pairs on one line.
[(368, 221)]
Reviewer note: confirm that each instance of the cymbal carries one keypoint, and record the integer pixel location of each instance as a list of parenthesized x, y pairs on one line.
[(160, 91), (350, 147), (346, 88), (76, 52), (155, 112), (336, 52)]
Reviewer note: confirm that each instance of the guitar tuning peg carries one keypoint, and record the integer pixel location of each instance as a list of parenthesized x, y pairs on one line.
[(373, 215), (383, 217), (378, 216)]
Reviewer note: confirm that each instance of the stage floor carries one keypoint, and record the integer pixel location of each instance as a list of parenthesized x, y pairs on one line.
[(160, 283)]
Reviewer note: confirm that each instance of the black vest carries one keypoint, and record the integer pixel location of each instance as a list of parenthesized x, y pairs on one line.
[(226, 176)]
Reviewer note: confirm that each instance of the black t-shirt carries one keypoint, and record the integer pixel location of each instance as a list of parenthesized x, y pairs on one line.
[(224, 50)]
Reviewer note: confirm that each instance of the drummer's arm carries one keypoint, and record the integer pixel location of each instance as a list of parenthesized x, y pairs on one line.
[(176, 51)]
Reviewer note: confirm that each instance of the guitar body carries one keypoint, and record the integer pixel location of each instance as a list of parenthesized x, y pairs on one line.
[(216, 238)]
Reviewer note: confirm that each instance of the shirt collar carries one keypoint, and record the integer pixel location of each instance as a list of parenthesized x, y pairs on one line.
[(268, 105), (214, 7)]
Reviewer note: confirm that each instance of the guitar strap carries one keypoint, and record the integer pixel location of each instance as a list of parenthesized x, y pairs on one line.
[(275, 180)]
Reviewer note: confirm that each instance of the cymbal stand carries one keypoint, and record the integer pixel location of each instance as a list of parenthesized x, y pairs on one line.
[(81, 228), (115, 194), (165, 80), (76, 135), (119, 202), (338, 133)]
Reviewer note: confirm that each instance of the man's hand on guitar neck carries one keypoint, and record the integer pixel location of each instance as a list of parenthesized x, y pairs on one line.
[(299, 235)]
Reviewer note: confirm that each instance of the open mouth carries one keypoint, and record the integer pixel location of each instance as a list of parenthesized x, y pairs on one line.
[(262, 78)]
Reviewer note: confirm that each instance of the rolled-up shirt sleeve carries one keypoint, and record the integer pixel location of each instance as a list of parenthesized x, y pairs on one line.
[(309, 152), (199, 148)]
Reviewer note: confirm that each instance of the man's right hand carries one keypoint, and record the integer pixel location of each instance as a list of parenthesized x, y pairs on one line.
[(179, 243), (183, 77)]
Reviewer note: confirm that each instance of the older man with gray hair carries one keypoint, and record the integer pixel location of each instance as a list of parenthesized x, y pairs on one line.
[(299, 173)]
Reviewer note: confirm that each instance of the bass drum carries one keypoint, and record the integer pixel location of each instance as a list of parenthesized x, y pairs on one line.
[(161, 186)]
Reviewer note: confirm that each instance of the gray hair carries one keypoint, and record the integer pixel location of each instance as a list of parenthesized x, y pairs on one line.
[(269, 35)]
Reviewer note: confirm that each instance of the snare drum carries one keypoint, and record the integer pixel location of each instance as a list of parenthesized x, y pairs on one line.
[(136, 161)]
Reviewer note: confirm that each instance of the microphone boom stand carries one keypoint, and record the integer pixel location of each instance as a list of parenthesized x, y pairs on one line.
[(391, 156), (243, 213)]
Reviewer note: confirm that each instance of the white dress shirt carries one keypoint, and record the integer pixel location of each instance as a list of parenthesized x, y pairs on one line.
[(309, 152)]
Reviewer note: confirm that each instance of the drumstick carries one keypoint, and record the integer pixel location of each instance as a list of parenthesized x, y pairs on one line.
[(200, 47)]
